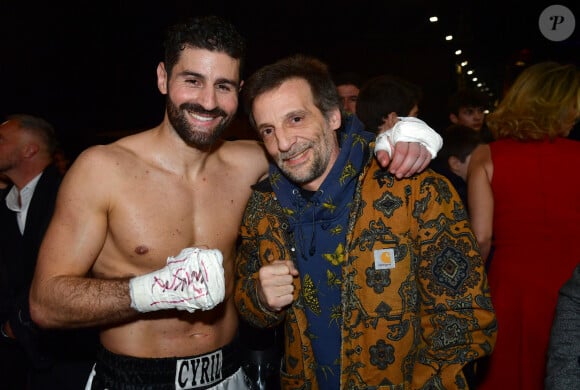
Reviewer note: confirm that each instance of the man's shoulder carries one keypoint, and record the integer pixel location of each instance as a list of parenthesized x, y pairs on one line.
[(103, 153), (247, 155), (263, 186), (419, 179), (101, 163), (243, 146)]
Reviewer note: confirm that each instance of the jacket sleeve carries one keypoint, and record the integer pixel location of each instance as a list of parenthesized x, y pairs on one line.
[(458, 322), (564, 348), (255, 232)]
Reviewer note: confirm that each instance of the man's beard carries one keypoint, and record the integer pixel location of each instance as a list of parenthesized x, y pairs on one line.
[(177, 118), (315, 170)]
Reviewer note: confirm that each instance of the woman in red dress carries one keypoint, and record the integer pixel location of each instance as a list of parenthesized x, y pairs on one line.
[(524, 190)]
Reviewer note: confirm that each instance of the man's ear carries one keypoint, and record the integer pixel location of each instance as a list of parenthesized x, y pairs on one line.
[(453, 118), (162, 78), (335, 119), (30, 149)]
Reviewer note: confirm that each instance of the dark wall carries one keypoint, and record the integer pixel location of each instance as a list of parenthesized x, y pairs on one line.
[(90, 68)]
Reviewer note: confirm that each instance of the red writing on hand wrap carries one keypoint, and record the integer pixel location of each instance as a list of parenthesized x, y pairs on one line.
[(182, 279)]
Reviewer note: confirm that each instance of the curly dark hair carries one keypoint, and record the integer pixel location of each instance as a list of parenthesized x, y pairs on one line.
[(207, 32)]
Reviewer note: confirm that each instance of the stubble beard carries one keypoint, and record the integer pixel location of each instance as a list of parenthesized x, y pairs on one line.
[(321, 159)]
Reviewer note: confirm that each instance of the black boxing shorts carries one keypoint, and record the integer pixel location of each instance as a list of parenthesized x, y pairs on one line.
[(118, 372)]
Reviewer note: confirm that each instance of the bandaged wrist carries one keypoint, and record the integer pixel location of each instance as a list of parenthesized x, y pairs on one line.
[(192, 280), (409, 129), (382, 142)]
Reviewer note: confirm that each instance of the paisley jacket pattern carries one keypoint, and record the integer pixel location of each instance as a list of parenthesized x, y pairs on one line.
[(414, 325)]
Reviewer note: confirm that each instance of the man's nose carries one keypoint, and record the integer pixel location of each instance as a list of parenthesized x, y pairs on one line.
[(207, 98), (285, 139)]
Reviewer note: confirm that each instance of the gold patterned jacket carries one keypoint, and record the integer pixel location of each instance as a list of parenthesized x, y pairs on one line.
[(412, 324)]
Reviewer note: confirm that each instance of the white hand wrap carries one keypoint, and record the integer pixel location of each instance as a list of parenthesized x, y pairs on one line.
[(194, 279), (409, 129)]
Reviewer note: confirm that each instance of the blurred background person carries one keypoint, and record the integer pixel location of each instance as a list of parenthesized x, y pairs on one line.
[(61, 160), (523, 189), (30, 358), (348, 85), (468, 107), (453, 159), (388, 97), (383, 100)]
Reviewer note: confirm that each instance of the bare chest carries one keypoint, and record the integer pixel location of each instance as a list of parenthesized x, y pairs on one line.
[(152, 219)]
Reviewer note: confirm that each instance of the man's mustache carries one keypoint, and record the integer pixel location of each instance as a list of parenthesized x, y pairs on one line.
[(196, 108)]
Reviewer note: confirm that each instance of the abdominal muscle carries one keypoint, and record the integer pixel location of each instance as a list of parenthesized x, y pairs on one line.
[(172, 333), (167, 333)]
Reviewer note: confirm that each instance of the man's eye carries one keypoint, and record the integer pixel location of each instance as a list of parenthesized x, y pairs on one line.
[(225, 87), (296, 119), (192, 81), (266, 131)]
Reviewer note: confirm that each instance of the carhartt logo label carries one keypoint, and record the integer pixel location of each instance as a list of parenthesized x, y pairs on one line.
[(198, 372), (384, 258)]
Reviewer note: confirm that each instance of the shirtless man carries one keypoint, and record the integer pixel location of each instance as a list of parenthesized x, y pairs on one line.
[(126, 208)]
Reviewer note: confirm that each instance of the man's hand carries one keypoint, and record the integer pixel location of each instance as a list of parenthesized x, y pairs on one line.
[(415, 145), (192, 280), (276, 289), (409, 158)]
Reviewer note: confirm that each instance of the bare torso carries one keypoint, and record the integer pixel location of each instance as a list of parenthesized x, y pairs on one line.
[(154, 212)]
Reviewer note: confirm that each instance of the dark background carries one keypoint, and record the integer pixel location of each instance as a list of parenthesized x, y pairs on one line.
[(89, 67)]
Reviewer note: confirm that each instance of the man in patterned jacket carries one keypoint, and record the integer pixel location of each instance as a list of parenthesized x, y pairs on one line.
[(378, 281)]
